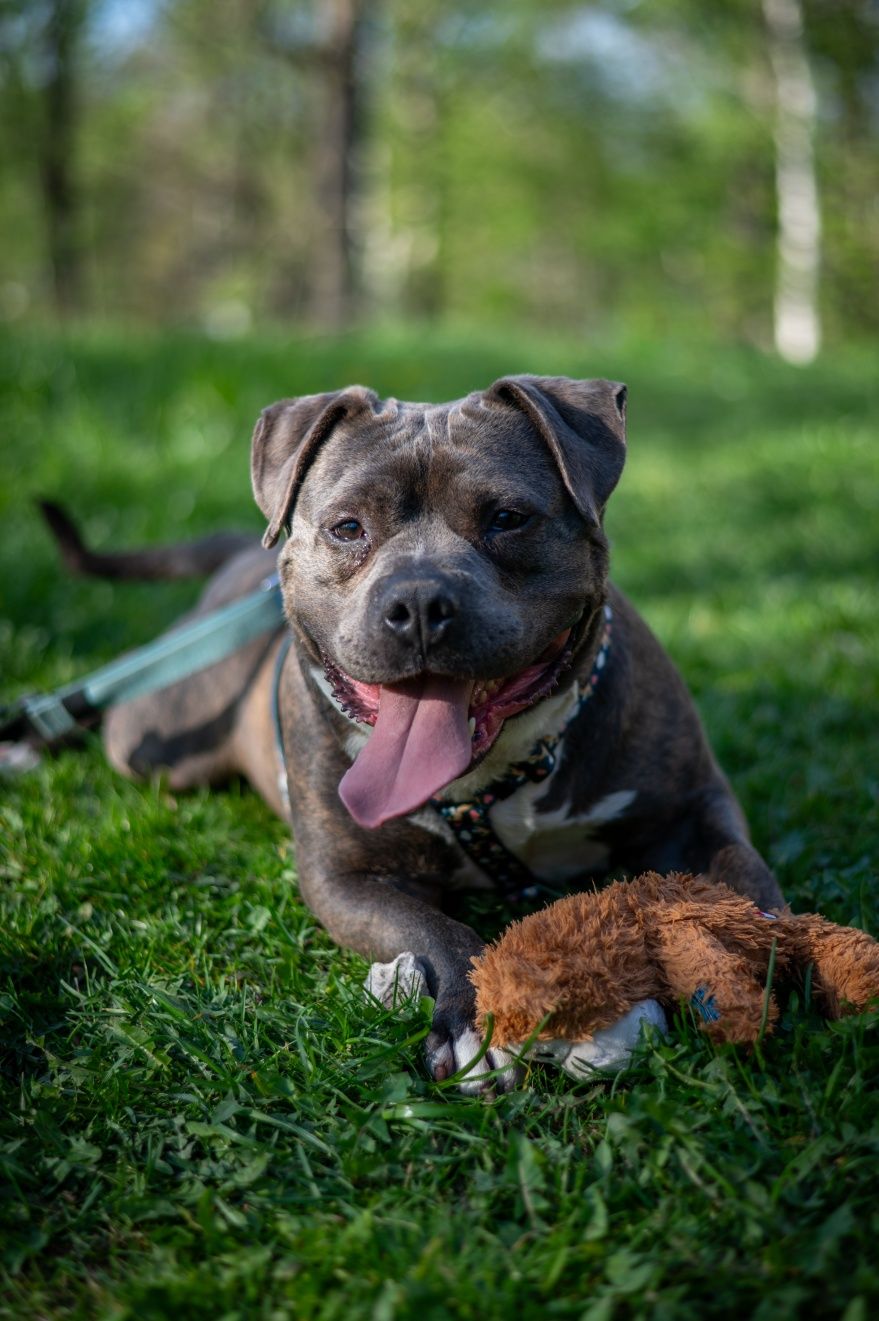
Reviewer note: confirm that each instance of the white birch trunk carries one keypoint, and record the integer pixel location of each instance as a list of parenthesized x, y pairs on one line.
[(796, 314)]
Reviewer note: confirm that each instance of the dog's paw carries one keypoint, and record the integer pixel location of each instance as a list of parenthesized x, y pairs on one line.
[(458, 1051), (397, 982), (606, 1051), (453, 1043), (18, 758)]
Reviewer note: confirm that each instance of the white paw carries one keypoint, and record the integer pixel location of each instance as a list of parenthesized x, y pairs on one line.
[(397, 982), (606, 1051), (402, 980), (17, 758), (496, 1069)]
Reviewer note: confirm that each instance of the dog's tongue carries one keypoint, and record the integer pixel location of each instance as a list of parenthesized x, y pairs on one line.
[(420, 742)]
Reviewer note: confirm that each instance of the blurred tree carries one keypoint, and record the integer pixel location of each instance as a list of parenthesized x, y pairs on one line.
[(41, 43), (329, 50), (62, 35), (796, 314)]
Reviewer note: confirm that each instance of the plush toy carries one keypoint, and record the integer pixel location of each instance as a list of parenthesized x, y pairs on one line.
[(593, 965), (599, 965)]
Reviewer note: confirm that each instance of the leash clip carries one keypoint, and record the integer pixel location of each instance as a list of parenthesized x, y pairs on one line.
[(48, 716)]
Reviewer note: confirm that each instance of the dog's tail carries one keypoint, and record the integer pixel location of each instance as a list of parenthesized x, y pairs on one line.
[(185, 559)]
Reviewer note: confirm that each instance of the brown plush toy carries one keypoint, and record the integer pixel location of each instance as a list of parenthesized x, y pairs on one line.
[(587, 961)]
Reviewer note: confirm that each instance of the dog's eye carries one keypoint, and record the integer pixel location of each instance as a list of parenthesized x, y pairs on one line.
[(348, 530), (507, 520)]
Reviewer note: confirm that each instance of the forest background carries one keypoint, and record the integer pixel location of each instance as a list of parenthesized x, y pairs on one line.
[(610, 169)]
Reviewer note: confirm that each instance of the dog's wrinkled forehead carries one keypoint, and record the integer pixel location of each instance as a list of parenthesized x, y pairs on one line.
[(540, 429), (427, 457)]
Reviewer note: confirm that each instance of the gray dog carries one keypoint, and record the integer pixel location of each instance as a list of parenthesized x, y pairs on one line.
[(462, 698)]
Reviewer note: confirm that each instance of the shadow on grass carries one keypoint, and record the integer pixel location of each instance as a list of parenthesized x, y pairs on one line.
[(34, 1010)]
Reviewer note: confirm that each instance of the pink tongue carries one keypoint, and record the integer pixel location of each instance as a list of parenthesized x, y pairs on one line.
[(419, 744)]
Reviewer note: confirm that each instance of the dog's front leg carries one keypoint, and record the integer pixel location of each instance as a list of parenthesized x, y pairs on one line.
[(378, 891), (731, 857), (382, 918), (740, 866)]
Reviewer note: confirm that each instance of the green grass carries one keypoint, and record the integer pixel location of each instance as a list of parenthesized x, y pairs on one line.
[(200, 1115)]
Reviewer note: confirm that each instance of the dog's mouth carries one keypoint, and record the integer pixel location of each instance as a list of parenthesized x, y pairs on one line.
[(431, 729)]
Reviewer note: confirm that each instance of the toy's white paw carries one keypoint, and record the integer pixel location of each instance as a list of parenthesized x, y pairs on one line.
[(496, 1071), (608, 1050), (396, 982)]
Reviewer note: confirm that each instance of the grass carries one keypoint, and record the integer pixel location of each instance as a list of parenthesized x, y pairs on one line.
[(201, 1116)]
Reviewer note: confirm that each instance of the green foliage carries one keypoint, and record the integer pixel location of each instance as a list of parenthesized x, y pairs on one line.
[(595, 166), (201, 1115)]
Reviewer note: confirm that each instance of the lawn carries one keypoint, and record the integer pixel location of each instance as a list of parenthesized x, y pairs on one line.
[(200, 1115)]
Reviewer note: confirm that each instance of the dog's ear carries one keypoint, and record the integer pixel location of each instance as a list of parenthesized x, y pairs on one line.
[(583, 423), (286, 438)]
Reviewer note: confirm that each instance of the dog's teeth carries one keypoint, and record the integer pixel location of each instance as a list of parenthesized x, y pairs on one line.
[(471, 725), (485, 690)]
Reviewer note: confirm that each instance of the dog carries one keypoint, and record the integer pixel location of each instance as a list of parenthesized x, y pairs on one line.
[(463, 698)]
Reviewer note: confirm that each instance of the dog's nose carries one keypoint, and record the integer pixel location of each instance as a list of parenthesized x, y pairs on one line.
[(419, 613)]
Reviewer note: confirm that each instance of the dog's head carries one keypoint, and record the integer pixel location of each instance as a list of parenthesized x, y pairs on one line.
[(444, 562)]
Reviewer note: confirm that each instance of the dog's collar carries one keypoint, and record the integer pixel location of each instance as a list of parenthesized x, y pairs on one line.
[(469, 820)]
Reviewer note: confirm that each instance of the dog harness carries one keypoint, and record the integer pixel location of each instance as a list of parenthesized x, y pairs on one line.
[(470, 820)]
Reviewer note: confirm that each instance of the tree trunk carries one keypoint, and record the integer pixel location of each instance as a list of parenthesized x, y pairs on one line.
[(797, 316), (60, 199), (333, 284)]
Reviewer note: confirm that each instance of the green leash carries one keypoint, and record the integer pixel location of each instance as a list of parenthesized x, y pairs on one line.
[(192, 647)]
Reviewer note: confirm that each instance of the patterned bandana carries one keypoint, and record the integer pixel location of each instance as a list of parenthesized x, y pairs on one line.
[(470, 821)]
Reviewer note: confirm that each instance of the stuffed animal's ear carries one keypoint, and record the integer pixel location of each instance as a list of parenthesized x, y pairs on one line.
[(286, 438), (583, 424)]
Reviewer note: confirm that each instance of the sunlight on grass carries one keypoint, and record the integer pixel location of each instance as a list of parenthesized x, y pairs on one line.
[(202, 1114)]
